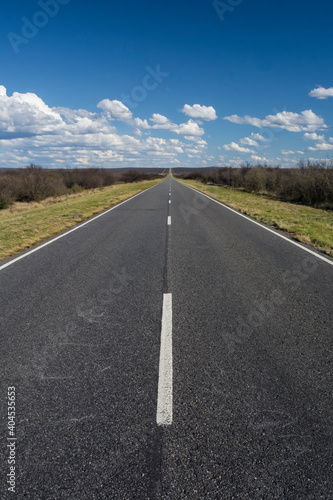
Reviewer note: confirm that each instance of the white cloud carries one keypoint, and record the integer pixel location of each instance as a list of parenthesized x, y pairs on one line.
[(323, 146), (321, 92), (322, 160), (158, 119), (293, 122), (235, 162), (176, 142), (194, 151), (284, 152), (97, 148), (26, 114), (198, 140), (313, 137), (247, 141), (259, 158), (235, 147), (116, 110), (137, 122), (190, 128), (81, 121), (196, 111), (259, 137), (31, 131)]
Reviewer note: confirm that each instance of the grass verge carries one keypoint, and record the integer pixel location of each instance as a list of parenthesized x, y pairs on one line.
[(305, 224), (26, 224)]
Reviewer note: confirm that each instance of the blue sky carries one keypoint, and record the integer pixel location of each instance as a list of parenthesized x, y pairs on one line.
[(164, 84)]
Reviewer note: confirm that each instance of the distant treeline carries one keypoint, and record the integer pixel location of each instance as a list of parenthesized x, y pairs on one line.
[(310, 184), (35, 183)]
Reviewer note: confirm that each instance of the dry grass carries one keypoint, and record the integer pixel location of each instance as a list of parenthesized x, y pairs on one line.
[(26, 224)]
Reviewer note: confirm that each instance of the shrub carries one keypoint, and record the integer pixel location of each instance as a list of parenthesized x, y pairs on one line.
[(310, 184), (5, 201), (130, 176), (76, 188), (35, 183), (38, 184)]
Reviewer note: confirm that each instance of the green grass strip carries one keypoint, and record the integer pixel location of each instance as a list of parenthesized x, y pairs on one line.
[(25, 225)]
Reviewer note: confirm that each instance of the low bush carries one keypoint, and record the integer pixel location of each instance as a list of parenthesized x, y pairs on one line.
[(35, 183), (5, 201), (310, 184)]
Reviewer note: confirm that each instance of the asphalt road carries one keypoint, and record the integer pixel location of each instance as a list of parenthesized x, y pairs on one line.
[(252, 359)]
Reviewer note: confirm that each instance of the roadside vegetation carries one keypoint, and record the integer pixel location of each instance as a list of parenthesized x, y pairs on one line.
[(32, 220), (311, 184), (34, 183), (306, 224)]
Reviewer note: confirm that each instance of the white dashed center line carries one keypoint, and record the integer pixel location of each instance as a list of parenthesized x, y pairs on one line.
[(164, 397)]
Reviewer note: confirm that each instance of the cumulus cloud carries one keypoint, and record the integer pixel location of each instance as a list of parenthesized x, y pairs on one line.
[(190, 128), (194, 151), (31, 131), (247, 141), (198, 140), (307, 121), (81, 121), (321, 92), (26, 114), (137, 122), (313, 136), (100, 148), (116, 110), (259, 137), (207, 113), (259, 158), (161, 121), (235, 147), (322, 146)]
